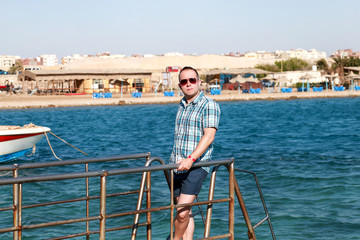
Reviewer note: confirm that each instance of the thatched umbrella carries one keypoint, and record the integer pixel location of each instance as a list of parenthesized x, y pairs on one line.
[(238, 79), (352, 76), (307, 77), (215, 80), (281, 79), (121, 82), (269, 78)]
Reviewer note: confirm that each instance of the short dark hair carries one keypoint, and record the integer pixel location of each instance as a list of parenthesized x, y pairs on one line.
[(189, 68)]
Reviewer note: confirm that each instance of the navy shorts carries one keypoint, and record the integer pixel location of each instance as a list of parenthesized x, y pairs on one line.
[(189, 182)]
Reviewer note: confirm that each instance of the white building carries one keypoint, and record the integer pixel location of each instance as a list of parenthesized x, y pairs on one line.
[(7, 62), (69, 59), (260, 55), (312, 54), (49, 60), (173, 54)]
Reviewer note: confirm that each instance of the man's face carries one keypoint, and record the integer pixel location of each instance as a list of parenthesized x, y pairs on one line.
[(187, 84)]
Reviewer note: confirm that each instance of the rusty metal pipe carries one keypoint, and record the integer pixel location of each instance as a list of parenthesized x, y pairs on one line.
[(16, 206), (251, 233), (232, 202), (138, 206), (172, 204), (209, 206), (102, 206), (148, 206), (87, 201)]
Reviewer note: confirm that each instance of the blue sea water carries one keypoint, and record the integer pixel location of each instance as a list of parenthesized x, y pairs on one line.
[(305, 152)]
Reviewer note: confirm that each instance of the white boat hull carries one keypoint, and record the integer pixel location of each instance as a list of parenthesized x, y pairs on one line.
[(14, 141)]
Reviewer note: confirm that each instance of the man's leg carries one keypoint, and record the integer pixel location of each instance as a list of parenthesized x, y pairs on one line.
[(184, 225)]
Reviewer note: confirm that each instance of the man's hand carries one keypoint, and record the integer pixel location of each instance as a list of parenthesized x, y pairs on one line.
[(185, 164)]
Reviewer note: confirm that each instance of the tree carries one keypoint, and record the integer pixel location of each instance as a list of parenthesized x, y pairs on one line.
[(268, 67), (17, 67), (322, 65), (293, 64)]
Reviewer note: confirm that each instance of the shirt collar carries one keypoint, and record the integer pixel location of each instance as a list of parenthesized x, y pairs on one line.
[(195, 101)]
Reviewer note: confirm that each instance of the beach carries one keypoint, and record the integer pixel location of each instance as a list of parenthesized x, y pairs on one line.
[(18, 101)]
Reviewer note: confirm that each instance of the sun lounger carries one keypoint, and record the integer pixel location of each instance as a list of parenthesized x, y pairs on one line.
[(215, 91), (168, 94), (136, 94)]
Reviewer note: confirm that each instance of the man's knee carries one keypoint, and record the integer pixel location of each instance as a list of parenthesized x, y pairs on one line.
[(183, 214)]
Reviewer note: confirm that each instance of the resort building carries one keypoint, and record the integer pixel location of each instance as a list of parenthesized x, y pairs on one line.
[(86, 81), (312, 54), (346, 53), (49, 60), (7, 62)]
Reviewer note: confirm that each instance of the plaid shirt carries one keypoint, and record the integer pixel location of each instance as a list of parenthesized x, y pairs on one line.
[(191, 120)]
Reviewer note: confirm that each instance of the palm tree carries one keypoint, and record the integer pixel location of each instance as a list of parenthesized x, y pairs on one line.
[(322, 65), (338, 66), (17, 67)]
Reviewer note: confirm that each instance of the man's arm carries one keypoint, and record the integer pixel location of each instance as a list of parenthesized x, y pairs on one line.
[(205, 141)]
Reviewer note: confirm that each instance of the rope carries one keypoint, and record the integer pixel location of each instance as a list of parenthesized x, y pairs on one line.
[(69, 144), (33, 151), (51, 147), (30, 125)]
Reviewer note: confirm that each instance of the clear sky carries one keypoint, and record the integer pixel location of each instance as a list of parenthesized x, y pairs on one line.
[(31, 28)]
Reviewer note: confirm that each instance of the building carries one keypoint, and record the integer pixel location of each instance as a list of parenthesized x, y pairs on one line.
[(312, 54), (69, 59), (260, 55), (7, 62), (346, 53), (86, 81), (49, 60)]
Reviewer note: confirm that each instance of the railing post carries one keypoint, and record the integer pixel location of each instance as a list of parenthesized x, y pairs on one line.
[(251, 232), (138, 206), (87, 202), (209, 207), (231, 203), (172, 204), (16, 206), (148, 206), (102, 227)]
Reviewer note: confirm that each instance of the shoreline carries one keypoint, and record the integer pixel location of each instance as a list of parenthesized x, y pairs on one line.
[(50, 101)]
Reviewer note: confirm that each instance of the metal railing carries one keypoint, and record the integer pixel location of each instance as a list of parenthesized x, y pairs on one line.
[(145, 187)]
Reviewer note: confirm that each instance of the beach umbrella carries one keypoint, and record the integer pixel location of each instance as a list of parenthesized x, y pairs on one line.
[(204, 85), (307, 77), (121, 82), (269, 78), (329, 78), (215, 80), (238, 79), (251, 80), (282, 79), (352, 76)]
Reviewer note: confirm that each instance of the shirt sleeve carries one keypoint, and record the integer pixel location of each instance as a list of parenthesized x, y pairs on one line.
[(211, 117)]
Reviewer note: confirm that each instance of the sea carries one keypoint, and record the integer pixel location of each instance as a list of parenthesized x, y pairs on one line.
[(305, 153)]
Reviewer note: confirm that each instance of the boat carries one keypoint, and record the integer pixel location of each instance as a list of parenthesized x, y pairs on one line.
[(16, 141)]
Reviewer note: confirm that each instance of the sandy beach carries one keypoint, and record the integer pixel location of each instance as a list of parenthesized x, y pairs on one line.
[(26, 101)]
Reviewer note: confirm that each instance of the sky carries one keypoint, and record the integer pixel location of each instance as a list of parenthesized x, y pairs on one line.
[(66, 27)]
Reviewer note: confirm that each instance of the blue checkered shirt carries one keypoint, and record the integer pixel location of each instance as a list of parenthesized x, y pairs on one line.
[(191, 120)]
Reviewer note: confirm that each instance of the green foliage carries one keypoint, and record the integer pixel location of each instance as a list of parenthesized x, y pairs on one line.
[(322, 64), (300, 84), (18, 66), (347, 61), (293, 64), (268, 67)]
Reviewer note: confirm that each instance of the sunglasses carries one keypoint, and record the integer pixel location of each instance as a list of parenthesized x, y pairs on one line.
[(183, 82)]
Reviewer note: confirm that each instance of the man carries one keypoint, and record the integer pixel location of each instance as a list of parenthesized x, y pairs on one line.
[(196, 123)]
